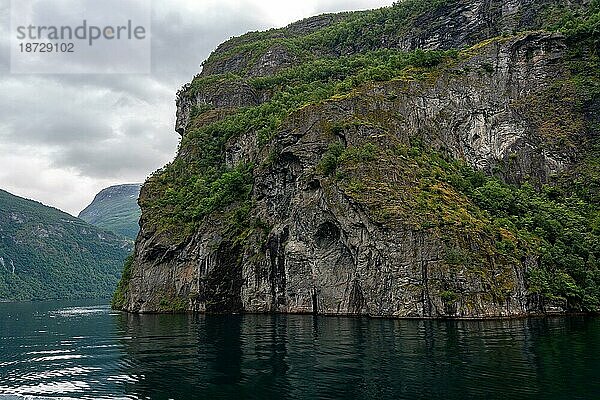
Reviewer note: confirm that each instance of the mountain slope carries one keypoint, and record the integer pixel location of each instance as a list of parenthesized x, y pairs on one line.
[(115, 209), (430, 159), (48, 254)]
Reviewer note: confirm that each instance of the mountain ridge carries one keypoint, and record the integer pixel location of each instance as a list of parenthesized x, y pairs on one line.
[(115, 208)]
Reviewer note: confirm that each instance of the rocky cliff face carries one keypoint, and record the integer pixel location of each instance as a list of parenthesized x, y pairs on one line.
[(353, 207)]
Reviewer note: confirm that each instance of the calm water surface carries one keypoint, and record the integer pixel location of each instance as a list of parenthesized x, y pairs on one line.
[(83, 350)]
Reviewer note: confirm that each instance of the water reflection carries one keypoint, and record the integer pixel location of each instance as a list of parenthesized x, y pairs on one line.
[(88, 352), (330, 358)]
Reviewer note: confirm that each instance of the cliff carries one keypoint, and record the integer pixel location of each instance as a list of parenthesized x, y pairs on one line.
[(430, 159)]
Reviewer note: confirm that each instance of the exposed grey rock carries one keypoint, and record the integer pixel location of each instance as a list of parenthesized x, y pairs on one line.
[(223, 94), (458, 24), (275, 59), (324, 253)]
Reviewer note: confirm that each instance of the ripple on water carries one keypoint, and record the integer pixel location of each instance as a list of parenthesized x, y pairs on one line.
[(80, 311), (85, 351)]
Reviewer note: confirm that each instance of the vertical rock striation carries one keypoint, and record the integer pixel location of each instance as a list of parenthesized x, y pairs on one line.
[(323, 243)]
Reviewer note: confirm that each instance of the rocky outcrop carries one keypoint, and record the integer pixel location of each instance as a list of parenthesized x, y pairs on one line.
[(453, 25), (221, 94), (319, 245), (456, 25)]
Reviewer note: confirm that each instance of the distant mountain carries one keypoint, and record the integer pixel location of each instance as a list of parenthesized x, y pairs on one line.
[(115, 209), (48, 254)]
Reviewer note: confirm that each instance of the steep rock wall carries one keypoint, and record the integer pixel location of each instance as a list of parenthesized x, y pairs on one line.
[(323, 249)]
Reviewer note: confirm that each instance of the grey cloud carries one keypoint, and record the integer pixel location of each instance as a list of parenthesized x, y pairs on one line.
[(181, 41), (55, 117), (140, 128), (111, 159), (4, 42), (144, 88), (349, 5), (88, 131), (47, 129)]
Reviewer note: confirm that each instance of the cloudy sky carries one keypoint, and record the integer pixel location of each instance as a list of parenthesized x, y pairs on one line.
[(65, 137)]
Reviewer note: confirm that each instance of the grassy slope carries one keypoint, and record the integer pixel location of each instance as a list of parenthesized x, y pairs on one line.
[(118, 213)]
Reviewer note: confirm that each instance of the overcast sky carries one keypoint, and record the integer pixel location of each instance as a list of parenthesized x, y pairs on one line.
[(65, 137)]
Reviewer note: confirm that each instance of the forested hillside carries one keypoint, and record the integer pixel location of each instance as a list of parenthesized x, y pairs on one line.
[(48, 254)]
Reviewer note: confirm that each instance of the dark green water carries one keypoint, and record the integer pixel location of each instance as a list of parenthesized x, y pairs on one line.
[(85, 351)]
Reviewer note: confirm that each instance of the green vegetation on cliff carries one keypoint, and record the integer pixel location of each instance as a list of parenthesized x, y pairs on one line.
[(118, 298), (553, 229), (579, 24), (421, 188), (348, 33), (185, 191), (48, 254)]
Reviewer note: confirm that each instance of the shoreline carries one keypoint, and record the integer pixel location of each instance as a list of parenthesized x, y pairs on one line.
[(360, 316)]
